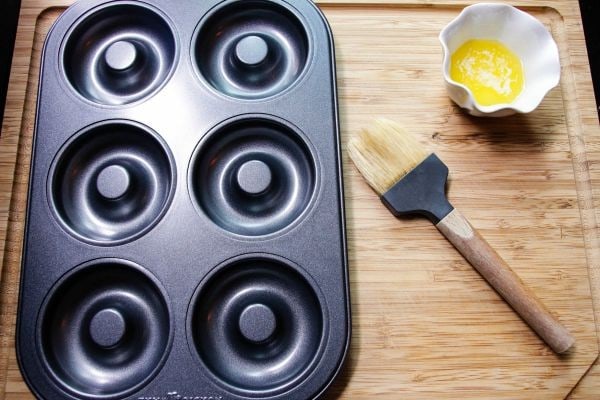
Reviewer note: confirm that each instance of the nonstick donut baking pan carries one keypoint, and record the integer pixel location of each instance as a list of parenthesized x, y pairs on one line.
[(185, 232)]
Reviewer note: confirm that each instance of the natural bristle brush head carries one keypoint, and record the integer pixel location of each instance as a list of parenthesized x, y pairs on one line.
[(385, 153)]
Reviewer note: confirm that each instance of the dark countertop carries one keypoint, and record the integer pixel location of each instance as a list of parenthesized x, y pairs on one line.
[(9, 10), (590, 14)]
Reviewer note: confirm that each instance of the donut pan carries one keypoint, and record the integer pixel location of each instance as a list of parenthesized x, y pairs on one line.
[(185, 232)]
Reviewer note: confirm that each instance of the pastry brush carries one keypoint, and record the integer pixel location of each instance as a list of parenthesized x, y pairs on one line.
[(411, 180)]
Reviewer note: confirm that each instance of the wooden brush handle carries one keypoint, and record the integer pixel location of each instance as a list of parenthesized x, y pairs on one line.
[(501, 277)]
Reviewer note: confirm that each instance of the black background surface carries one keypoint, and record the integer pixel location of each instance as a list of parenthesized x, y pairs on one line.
[(9, 10), (590, 13)]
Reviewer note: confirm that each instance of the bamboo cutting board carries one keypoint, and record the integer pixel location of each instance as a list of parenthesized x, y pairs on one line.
[(426, 326)]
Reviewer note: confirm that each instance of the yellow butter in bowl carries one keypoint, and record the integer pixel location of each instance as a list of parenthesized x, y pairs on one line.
[(492, 72), (498, 60)]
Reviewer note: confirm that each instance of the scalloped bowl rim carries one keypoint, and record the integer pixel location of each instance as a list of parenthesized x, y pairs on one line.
[(506, 108)]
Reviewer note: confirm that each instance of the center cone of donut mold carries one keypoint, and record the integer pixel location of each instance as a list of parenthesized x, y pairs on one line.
[(251, 50), (254, 177), (257, 323), (107, 328), (121, 55), (113, 182)]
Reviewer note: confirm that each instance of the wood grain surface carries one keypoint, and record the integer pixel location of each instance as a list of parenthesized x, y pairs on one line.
[(426, 326)]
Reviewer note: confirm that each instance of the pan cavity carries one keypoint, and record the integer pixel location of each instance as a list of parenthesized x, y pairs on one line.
[(253, 176), (119, 54), (112, 183), (257, 325), (251, 49), (105, 329)]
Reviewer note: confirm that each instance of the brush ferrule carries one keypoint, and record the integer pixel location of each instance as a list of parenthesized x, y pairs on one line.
[(421, 191)]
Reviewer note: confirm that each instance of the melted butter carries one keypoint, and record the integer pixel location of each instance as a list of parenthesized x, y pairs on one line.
[(492, 72)]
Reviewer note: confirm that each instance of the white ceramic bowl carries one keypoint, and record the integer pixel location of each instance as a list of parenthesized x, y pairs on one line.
[(522, 34)]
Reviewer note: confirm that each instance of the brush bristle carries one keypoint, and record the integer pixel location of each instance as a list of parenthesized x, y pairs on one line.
[(385, 154)]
